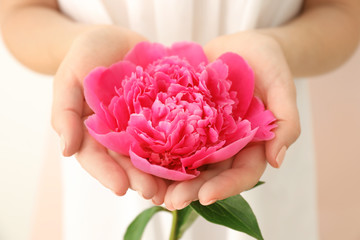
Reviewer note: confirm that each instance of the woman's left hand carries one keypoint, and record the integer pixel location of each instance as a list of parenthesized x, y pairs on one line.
[(274, 85)]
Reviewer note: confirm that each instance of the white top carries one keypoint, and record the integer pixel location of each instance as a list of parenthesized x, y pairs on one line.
[(285, 206), (167, 21)]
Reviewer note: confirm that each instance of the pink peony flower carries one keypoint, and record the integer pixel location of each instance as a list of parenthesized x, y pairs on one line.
[(172, 111)]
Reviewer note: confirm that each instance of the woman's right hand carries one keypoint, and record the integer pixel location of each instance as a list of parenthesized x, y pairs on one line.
[(97, 46)]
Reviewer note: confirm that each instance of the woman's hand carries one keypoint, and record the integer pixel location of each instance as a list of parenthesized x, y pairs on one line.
[(97, 46), (275, 86)]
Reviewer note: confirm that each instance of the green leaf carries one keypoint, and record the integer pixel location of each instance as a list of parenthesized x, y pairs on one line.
[(136, 228), (185, 218), (233, 212), (258, 184)]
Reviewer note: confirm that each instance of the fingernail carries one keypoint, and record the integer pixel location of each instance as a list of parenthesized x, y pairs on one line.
[(62, 144), (185, 204), (140, 193), (170, 208), (155, 202), (209, 202), (117, 193), (281, 155)]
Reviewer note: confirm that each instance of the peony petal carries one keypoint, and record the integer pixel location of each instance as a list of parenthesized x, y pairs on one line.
[(159, 112), (225, 152), (107, 116), (145, 53), (241, 129), (121, 113), (231, 148), (201, 154), (99, 85), (117, 141), (217, 74), (191, 51), (139, 127), (242, 78), (144, 165), (186, 145), (262, 119)]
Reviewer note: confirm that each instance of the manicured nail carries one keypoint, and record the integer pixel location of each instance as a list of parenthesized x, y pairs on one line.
[(155, 202), (140, 193), (62, 144), (185, 204), (170, 208), (117, 193), (209, 202), (281, 155)]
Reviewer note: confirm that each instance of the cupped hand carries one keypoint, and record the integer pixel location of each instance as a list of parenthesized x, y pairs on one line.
[(275, 86), (97, 46)]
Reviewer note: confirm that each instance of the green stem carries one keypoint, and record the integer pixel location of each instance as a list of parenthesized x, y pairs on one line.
[(173, 232)]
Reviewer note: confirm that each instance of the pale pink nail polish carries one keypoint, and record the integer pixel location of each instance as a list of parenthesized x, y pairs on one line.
[(185, 204), (210, 202), (281, 155), (140, 194), (155, 202), (62, 144), (170, 208)]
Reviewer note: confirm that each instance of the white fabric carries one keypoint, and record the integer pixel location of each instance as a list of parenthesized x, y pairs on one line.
[(167, 21), (285, 206)]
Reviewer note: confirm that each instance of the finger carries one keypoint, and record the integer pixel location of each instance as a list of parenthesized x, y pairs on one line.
[(87, 111), (167, 199), (281, 100), (247, 168), (67, 110), (185, 192), (95, 160), (162, 186), (144, 183)]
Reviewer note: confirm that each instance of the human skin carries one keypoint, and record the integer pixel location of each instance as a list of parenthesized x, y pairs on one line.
[(321, 38)]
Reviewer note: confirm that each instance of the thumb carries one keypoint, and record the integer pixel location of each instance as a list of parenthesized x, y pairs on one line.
[(66, 117)]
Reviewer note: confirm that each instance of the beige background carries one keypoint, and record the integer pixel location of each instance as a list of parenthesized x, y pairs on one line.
[(30, 186), (336, 121)]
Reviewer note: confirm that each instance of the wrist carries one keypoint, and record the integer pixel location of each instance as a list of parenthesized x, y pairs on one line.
[(278, 37)]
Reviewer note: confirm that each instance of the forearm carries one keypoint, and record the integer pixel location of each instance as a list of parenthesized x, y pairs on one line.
[(39, 36), (320, 39)]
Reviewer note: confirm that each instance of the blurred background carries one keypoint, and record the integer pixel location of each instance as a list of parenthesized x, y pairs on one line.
[(30, 172)]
